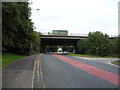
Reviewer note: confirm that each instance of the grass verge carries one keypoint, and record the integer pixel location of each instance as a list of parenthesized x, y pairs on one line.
[(8, 58), (116, 62), (86, 55), (82, 55)]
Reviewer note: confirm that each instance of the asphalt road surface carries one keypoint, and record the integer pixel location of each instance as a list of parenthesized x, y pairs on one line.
[(59, 71), (19, 74)]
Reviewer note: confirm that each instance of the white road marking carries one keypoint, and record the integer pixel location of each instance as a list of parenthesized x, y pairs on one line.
[(113, 64)]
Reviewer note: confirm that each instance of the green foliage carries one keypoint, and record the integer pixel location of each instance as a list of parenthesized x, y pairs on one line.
[(17, 29), (96, 44), (81, 45), (89, 55), (114, 46), (83, 55), (68, 48), (65, 48), (118, 45), (116, 62), (8, 58), (51, 48)]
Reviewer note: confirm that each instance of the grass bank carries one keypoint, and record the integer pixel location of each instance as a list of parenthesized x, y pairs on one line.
[(86, 55), (116, 62), (8, 58)]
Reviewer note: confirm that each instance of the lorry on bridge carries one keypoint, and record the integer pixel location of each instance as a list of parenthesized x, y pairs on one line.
[(59, 32)]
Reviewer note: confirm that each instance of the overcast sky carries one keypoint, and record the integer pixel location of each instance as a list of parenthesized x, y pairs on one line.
[(76, 16)]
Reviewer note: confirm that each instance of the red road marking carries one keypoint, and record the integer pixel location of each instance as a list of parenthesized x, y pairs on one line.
[(105, 75)]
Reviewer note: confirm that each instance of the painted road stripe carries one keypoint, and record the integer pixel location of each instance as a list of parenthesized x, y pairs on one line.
[(34, 71), (105, 75), (41, 74)]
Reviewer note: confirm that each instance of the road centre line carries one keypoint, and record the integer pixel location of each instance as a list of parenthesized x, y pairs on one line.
[(105, 75), (34, 71), (41, 74), (38, 71)]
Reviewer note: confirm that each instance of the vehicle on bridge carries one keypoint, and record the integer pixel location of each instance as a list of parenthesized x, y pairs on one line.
[(59, 32)]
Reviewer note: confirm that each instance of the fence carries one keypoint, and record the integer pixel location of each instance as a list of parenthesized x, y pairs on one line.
[(79, 34)]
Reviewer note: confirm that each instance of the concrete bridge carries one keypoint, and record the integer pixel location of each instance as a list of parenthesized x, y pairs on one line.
[(54, 40), (58, 41)]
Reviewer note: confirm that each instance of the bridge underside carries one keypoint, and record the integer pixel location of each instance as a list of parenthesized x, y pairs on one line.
[(57, 42), (54, 40)]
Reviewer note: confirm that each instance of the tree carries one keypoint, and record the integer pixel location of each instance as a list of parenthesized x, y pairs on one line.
[(81, 46), (118, 45), (65, 48), (98, 43), (114, 45), (51, 48), (68, 48), (18, 33)]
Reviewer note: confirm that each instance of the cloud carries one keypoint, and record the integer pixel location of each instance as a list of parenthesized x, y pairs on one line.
[(76, 16)]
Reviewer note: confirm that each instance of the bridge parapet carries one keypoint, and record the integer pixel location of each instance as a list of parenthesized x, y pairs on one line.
[(69, 34), (79, 35)]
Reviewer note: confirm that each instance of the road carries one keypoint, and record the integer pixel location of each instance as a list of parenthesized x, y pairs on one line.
[(102, 60), (60, 71)]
